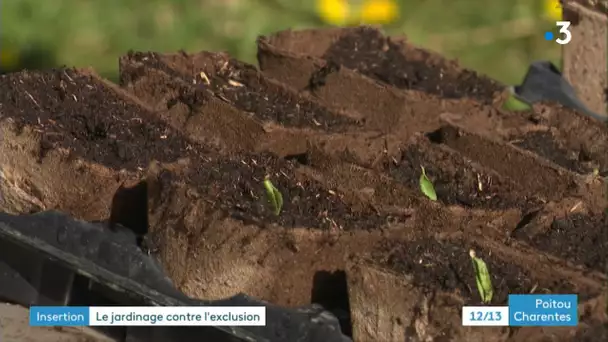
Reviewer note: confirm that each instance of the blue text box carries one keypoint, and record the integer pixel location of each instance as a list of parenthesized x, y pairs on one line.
[(52, 316), (536, 310)]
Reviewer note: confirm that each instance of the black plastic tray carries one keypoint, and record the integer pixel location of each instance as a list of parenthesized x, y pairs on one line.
[(49, 258), (544, 82)]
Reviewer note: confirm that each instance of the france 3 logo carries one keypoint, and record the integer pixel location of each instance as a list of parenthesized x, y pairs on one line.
[(554, 10), (564, 31)]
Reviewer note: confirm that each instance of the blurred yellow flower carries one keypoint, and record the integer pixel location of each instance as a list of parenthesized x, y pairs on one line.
[(553, 9), (335, 12), (354, 12), (379, 11)]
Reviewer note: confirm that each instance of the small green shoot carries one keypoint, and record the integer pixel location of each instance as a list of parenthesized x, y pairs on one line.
[(482, 276), (426, 186), (512, 103), (274, 196)]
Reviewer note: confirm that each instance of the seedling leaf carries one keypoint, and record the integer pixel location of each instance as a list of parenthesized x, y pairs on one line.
[(514, 104), (482, 276), (426, 186), (274, 196)]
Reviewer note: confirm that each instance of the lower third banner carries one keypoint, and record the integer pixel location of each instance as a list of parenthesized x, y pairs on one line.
[(147, 315)]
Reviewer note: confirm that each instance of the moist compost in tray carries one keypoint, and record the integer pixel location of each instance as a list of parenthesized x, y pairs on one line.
[(446, 265), (368, 51), (244, 87), (284, 107), (544, 144), (77, 111), (577, 238), (455, 180), (534, 176), (236, 185)]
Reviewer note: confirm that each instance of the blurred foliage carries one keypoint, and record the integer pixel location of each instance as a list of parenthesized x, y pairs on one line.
[(496, 37)]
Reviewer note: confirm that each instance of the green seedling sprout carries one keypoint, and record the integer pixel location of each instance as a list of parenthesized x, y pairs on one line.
[(274, 196), (513, 103), (482, 276), (426, 186)]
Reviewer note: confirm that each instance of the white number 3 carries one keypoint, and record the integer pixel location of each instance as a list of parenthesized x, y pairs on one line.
[(564, 28)]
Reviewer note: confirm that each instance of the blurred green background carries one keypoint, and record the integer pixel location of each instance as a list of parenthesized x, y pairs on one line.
[(497, 37)]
